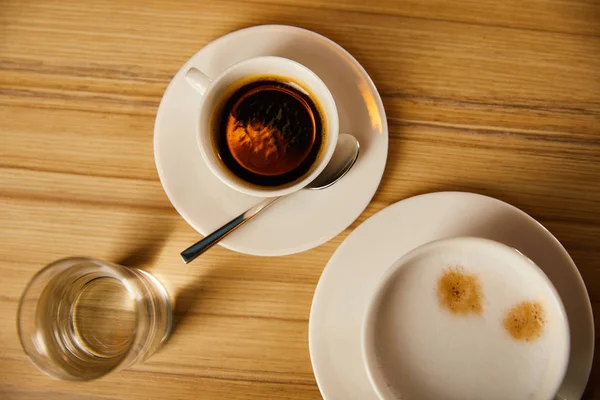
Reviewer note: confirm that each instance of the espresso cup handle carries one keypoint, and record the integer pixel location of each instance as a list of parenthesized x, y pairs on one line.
[(198, 79)]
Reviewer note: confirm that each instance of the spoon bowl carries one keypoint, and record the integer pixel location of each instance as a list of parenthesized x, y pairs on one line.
[(343, 159)]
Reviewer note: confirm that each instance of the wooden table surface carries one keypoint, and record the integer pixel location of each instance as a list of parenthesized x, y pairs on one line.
[(496, 97)]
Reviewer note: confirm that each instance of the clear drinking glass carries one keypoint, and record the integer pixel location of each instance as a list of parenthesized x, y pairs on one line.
[(80, 318)]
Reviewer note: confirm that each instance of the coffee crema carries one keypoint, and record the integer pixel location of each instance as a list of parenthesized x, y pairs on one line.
[(459, 292), (525, 321), (269, 132)]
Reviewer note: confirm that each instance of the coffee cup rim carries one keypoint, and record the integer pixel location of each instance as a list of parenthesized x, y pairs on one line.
[(325, 99), (368, 321)]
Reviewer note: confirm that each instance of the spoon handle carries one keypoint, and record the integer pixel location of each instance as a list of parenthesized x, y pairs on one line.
[(209, 241)]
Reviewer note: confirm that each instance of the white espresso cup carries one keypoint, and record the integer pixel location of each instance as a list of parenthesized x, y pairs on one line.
[(465, 318), (216, 90)]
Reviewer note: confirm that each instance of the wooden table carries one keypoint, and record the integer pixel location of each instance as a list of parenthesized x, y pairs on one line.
[(496, 97)]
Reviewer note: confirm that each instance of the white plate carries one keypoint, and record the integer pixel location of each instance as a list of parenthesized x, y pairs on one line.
[(305, 219), (354, 270)]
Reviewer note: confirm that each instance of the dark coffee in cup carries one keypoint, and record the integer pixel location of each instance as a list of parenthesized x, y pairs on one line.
[(269, 132)]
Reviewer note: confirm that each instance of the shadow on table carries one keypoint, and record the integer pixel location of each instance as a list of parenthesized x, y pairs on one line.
[(145, 239), (206, 289)]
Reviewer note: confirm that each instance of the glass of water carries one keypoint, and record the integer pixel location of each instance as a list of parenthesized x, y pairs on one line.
[(80, 318)]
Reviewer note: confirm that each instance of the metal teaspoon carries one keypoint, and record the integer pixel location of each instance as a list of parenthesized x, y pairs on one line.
[(345, 155)]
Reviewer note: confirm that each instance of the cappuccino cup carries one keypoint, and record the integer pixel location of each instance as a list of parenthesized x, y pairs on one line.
[(465, 318)]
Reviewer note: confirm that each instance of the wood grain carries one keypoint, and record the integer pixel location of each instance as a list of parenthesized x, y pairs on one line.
[(499, 98)]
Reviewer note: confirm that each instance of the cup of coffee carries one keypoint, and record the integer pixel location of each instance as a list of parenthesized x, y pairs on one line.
[(465, 318), (267, 126)]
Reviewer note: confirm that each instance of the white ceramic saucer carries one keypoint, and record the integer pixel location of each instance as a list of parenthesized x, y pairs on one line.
[(305, 219), (354, 271)]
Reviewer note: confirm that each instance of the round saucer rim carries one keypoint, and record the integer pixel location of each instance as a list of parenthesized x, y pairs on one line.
[(350, 60), (389, 209)]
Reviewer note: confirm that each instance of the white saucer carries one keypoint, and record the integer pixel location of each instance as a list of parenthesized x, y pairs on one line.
[(354, 270), (305, 219)]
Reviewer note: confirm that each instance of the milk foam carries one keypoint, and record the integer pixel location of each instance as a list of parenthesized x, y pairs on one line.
[(424, 351)]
